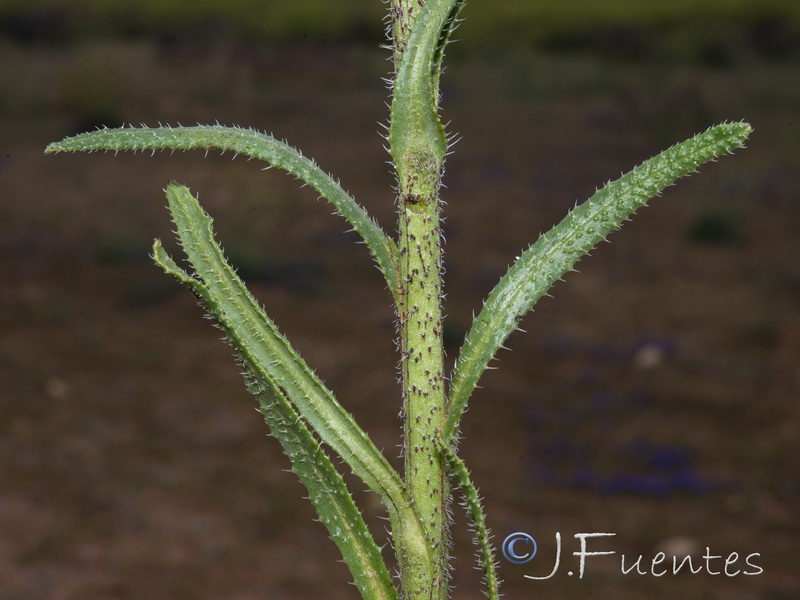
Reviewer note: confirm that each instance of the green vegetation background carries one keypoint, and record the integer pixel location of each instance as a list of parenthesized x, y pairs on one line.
[(681, 24)]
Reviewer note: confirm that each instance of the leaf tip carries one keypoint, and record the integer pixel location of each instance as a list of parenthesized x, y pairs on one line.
[(737, 132), (53, 147)]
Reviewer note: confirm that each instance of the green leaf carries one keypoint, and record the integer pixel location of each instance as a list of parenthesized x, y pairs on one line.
[(326, 488), (555, 252), (327, 491), (457, 469), (444, 38), (415, 126), (250, 143), (273, 362)]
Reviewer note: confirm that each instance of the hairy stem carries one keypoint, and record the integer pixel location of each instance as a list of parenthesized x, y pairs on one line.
[(422, 358), (417, 144)]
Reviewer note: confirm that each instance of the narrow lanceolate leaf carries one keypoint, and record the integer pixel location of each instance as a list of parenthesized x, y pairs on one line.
[(457, 469), (271, 359), (444, 38), (253, 144), (327, 491), (555, 252), (326, 488), (416, 134)]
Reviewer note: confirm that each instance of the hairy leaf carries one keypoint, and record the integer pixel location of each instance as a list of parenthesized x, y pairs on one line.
[(326, 488), (444, 38), (458, 469), (555, 252), (275, 364), (254, 144), (415, 128)]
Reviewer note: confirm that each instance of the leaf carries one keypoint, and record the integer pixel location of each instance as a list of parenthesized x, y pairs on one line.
[(555, 252), (274, 363), (327, 491), (444, 38), (326, 488), (254, 144), (458, 469), (415, 126)]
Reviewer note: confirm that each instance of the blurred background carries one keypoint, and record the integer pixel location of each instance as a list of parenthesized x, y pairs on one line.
[(653, 396)]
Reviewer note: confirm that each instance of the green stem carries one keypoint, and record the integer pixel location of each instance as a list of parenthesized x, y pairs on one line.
[(418, 145), (422, 359)]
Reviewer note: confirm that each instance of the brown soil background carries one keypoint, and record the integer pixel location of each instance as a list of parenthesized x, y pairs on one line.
[(132, 461)]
